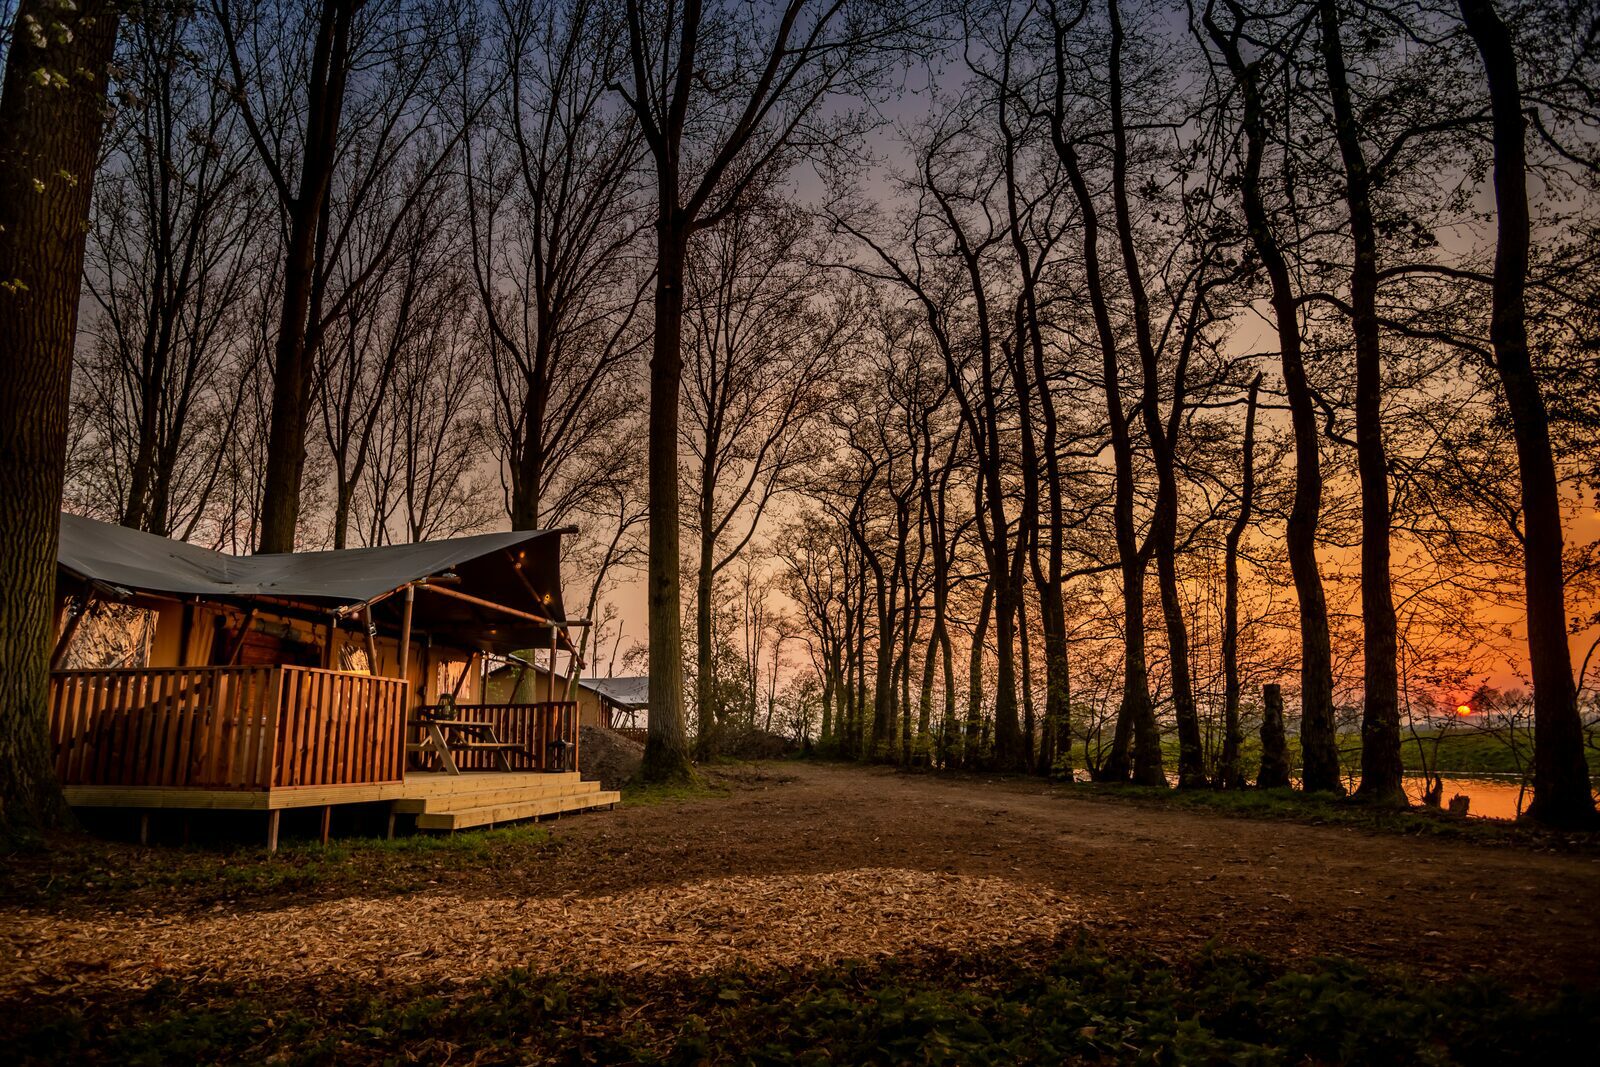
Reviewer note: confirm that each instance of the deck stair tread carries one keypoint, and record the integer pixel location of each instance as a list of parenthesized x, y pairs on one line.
[(490, 795), (511, 811), (438, 783)]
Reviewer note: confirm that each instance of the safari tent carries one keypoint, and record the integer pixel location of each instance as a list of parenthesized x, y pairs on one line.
[(317, 679)]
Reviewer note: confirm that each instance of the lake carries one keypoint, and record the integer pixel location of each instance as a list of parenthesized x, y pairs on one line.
[(1488, 798)]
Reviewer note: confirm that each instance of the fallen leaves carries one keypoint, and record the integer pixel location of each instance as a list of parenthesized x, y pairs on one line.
[(793, 920)]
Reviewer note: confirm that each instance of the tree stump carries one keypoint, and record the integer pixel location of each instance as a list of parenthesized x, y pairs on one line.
[(1274, 744)]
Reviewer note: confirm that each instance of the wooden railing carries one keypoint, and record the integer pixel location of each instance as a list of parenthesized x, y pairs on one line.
[(226, 727), (640, 734), (532, 727), (337, 728)]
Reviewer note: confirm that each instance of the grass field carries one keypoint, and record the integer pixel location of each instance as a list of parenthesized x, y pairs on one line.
[(1464, 754)]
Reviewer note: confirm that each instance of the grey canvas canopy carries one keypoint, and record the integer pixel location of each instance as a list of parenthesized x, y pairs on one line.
[(513, 575), (631, 693)]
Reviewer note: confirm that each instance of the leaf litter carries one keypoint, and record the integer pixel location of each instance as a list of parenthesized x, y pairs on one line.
[(780, 921)]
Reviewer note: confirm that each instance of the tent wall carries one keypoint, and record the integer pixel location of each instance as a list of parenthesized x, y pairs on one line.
[(204, 647)]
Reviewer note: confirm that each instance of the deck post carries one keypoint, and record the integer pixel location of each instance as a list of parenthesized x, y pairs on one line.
[(552, 688), (272, 830), (405, 640), (327, 821), (372, 641), (389, 836), (144, 828)]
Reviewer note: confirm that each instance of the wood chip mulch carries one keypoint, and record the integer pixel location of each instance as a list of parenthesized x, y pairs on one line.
[(793, 920)]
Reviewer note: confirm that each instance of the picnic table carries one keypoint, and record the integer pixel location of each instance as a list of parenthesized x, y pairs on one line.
[(443, 737)]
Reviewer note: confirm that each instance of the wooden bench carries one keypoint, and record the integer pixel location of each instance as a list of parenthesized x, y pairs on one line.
[(442, 738)]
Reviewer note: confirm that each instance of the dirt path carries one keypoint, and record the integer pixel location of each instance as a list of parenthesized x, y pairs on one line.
[(1161, 876), (808, 863)]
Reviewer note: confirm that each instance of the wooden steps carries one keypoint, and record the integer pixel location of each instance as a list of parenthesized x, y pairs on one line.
[(486, 795), (493, 813), (427, 784), (486, 798)]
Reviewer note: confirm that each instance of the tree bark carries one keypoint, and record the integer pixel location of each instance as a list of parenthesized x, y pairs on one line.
[(705, 588), (970, 750), (291, 375), (1318, 743), (1381, 766), (52, 110), (1047, 574), (1561, 793), (666, 750), (1164, 525), (1230, 774), (1274, 773), (1136, 743)]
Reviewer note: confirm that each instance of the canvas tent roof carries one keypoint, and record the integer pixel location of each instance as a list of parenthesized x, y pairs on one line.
[(625, 692), (486, 565)]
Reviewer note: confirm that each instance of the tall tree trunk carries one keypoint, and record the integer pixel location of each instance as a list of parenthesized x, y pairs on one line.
[(1381, 767), (882, 740), (52, 108), (705, 588), (666, 752), (1135, 713), (1230, 775), (949, 736), (1318, 743), (970, 748), (1031, 377), (1561, 793), (1008, 753), (930, 661), (292, 372), (1028, 723), (1164, 525), (527, 484), (905, 694)]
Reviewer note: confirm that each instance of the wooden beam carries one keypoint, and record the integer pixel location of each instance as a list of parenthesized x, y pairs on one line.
[(405, 638), (552, 687), (504, 609), (516, 568), (372, 642)]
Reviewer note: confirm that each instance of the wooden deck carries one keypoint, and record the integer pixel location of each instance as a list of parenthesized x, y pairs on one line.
[(275, 738), (440, 801)]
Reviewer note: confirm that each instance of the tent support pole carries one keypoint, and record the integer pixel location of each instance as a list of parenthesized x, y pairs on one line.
[(372, 643), (405, 633), (552, 696)]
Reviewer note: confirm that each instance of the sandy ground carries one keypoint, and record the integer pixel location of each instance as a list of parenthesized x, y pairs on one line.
[(807, 863)]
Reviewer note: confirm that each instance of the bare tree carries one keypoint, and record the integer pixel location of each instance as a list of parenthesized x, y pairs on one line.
[(1319, 746), (764, 337), (726, 95), (335, 99), (1561, 793), (551, 178), (171, 251)]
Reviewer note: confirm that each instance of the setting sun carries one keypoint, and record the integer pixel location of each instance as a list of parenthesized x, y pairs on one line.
[(1463, 709)]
